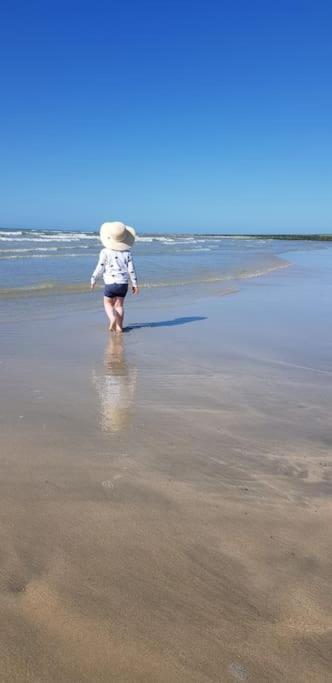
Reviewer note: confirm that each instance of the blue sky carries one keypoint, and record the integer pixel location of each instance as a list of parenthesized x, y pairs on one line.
[(179, 116)]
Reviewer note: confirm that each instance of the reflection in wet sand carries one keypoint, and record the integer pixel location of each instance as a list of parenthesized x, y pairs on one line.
[(115, 386)]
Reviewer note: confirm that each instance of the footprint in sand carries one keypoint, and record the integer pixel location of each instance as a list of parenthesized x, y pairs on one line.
[(107, 484), (110, 483)]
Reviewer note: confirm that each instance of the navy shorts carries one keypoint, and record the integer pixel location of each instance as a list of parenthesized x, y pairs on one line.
[(116, 290)]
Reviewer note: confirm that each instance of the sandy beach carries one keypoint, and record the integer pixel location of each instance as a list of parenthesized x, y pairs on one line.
[(166, 495)]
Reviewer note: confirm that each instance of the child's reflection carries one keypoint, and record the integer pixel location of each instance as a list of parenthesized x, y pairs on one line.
[(116, 386)]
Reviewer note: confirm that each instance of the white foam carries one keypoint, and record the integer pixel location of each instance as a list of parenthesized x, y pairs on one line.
[(39, 236), (155, 238), (15, 257), (27, 250), (9, 232), (40, 239)]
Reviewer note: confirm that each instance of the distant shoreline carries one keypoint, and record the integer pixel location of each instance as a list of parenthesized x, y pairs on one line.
[(313, 237)]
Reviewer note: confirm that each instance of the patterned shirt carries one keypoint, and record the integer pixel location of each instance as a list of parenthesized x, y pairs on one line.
[(116, 267)]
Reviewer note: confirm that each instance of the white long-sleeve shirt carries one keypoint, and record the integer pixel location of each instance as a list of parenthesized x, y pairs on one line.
[(116, 267)]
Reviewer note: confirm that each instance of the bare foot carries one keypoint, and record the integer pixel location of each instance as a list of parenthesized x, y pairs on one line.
[(118, 329), (112, 326)]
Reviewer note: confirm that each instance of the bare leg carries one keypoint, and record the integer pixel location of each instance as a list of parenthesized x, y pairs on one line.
[(110, 311), (119, 313)]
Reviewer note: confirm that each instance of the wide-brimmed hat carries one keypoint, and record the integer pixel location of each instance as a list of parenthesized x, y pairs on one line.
[(116, 235)]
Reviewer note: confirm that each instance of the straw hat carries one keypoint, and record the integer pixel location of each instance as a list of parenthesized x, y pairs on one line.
[(117, 236)]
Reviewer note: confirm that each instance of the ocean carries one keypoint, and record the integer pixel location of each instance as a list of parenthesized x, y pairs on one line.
[(36, 263)]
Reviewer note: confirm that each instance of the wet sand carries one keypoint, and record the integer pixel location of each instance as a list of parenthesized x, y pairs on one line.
[(166, 496)]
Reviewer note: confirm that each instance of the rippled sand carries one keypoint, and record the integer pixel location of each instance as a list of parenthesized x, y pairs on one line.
[(166, 496)]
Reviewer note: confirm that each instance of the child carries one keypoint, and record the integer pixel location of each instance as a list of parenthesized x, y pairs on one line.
[(116, 265)]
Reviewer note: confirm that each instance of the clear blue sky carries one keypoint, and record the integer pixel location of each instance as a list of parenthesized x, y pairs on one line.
[(170, 115)]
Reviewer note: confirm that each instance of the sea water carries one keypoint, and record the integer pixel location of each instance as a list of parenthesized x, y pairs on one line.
[(46, 273), (46, 262)]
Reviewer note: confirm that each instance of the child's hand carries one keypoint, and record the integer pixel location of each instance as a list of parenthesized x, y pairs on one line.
[(92, 285), (135, 290)]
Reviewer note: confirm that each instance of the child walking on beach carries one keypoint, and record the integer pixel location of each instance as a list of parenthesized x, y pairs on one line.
[(116, 265)]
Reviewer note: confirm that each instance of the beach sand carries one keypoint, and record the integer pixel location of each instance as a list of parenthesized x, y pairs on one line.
[(166, 495)]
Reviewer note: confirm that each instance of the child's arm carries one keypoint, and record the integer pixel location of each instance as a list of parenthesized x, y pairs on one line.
[(99, 268), (132, 273)]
